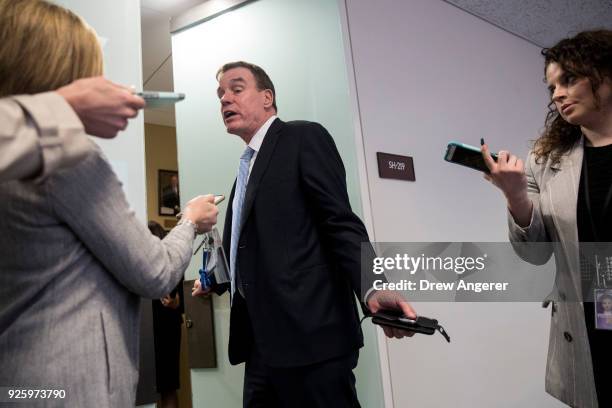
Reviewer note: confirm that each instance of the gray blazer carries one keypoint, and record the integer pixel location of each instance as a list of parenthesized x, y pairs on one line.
[(553, 189), (38, 134), (74, 260)]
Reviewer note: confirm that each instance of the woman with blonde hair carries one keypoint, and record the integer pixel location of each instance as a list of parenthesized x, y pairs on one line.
[(563, 194), (74, 259), (44, 47)]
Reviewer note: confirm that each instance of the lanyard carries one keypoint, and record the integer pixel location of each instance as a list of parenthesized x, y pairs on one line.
[(587, 198), (207, 248), (204, 277)]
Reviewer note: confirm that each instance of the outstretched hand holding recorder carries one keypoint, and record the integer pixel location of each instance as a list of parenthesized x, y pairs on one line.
[(397, 320)]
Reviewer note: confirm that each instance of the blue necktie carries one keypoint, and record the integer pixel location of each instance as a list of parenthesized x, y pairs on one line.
[(241, 183)]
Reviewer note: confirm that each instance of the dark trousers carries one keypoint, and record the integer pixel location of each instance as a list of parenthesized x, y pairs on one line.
[(326, 384)]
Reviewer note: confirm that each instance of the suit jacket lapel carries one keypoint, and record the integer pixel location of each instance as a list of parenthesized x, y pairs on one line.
[(259, 168), (563, 200), (563, 193), (227, 227)]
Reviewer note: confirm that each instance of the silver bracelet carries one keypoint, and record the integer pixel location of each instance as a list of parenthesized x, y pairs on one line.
[(189, 222)]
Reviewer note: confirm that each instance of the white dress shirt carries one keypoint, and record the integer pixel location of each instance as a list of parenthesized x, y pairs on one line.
[(255, 144), (257, 140)]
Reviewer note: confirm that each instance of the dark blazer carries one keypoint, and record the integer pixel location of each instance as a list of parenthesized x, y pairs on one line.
[(299, 253)]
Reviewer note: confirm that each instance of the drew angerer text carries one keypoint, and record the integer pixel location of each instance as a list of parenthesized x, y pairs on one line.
[(425, 285), (410, 265)]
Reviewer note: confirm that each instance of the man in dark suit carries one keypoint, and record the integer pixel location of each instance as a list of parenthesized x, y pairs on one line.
[(170, 195), (295, 255)]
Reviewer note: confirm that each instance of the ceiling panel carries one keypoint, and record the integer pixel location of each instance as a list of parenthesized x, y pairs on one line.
[(542, 22)]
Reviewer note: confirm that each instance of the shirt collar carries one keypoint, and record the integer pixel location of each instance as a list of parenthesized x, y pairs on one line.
[(258, 138)]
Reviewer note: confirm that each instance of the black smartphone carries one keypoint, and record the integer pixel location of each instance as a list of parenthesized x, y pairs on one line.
[(395, 318), (466, 155)]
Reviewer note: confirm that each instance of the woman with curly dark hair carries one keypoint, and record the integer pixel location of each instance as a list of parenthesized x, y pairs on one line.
[(562, 195)]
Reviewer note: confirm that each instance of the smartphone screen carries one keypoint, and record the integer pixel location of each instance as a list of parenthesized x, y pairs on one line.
[(466, 155)]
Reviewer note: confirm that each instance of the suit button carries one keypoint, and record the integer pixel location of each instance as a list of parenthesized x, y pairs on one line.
[(562, 296), (241, 246), (568, 337)]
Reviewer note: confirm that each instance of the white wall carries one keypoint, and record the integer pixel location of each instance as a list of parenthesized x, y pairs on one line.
[(118, 23), (427, 73)]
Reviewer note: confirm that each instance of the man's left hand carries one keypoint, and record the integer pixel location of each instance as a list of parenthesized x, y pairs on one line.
[(390, 300), (197, 289)]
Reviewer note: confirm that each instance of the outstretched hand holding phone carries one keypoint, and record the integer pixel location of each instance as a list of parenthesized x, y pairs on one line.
[(102, 106), (508, 174)]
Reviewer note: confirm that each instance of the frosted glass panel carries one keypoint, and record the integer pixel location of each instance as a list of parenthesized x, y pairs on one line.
[(117, 23), (299, 44)]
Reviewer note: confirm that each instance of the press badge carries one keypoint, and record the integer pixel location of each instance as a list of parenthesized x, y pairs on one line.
[(215, 269), (596, 267), (603, 309)]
